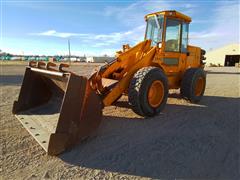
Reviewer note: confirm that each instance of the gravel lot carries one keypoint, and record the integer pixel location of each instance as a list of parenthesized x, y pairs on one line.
[(185, 141)]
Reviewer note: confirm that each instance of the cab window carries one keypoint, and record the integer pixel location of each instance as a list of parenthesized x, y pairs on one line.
[(185, 27), (172, 40), (154, 29)]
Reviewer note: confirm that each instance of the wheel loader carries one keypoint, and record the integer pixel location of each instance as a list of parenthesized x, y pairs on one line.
[(60, 108)]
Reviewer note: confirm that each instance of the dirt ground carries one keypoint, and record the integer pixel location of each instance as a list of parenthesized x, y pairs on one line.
[(185, 141)]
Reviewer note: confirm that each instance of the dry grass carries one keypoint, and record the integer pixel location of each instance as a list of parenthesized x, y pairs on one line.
[(2, 63)]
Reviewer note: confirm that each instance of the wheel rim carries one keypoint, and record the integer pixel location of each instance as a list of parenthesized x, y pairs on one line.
[(199, 86), (155, 93)]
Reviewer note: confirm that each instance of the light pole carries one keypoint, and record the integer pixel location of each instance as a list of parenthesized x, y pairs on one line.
[(69, 51)]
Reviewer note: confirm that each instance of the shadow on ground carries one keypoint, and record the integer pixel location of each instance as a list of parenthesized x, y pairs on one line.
[(199, 141)]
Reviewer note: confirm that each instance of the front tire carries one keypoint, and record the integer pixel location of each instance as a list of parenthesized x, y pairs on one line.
[(148, 91)]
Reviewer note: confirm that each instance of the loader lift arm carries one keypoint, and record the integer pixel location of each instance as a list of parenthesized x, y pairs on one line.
[(122, 70)]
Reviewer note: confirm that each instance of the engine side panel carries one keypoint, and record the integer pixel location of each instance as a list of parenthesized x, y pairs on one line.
[(193, 59)]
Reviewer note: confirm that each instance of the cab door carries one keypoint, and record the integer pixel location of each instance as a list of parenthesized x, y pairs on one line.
[(174, 49)]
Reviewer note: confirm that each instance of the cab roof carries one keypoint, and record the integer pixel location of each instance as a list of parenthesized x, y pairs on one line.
[(170, 13)]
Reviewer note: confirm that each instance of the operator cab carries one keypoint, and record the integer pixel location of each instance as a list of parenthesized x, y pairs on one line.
[(169, 30)]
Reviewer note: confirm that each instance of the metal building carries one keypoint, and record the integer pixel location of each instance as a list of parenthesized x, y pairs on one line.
[(228, 55)]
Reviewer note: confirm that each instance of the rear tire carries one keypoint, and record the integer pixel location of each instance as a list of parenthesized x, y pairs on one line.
[(148, 91), (193, 84)]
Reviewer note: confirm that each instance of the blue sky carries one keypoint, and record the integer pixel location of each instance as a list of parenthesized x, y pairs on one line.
[(101, 27)]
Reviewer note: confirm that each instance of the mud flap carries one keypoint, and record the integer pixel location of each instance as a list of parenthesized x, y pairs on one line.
[(58, 109)]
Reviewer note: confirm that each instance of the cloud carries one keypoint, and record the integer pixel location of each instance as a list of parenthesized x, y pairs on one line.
[(58, 34), (219, 27), (205, 35), (100, 40), (133, 14), (132, 37), (222, 28)]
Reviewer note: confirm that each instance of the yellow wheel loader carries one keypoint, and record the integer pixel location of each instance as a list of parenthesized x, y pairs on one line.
[(60, 108)]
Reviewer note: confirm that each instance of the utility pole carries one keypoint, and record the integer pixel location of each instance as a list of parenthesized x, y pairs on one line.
[(69, 51)]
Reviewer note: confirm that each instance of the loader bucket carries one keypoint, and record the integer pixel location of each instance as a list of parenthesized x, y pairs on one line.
[(59, 109)]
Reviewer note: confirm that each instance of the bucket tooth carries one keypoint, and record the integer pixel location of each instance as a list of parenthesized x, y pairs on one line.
[(32, 64), (50, 66), (63, 65), (41, 65)]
